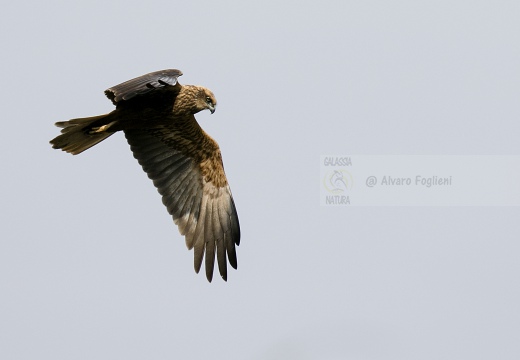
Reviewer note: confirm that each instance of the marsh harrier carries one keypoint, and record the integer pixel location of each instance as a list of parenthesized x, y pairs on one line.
[(156, 114)]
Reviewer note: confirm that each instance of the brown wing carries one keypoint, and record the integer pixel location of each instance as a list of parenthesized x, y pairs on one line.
[(186, 167), (163, 80)]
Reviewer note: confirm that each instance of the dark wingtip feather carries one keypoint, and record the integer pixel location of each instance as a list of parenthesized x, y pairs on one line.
[(209, 274)]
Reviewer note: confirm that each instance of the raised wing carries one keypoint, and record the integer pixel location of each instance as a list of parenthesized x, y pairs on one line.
[(189, 175), (163, 80)]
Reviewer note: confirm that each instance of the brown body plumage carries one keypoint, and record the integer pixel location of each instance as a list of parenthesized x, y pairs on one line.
[(156, 114)]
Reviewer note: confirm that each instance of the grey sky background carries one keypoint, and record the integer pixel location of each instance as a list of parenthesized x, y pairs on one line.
[(92, 266)]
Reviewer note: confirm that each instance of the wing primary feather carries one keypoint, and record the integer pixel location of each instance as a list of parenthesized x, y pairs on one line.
[(230, 243), (219, 234), (198, 250), (199, 244), (209, 238), (235, 225)]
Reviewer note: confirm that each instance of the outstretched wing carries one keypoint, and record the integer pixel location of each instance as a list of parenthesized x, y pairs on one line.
[(186, 167), (164, 80)]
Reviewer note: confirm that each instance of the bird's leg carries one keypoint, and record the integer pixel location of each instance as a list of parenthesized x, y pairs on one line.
[(100, 129)]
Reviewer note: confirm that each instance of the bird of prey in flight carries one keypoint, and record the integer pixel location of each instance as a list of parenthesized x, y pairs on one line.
[(156, 114)]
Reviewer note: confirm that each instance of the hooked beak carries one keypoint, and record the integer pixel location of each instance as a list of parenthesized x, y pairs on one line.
[(212, 108)]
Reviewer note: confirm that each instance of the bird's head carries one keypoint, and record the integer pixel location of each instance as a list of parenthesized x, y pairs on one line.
[(206, 100), (193, 99)]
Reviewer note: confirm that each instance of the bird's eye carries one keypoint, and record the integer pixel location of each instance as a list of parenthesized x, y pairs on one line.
[(208, 100)]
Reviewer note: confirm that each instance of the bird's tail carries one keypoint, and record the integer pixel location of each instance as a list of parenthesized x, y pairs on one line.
[(77, 135)]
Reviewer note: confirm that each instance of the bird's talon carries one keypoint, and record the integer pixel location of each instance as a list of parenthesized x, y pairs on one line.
[(100, 129)]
